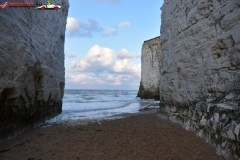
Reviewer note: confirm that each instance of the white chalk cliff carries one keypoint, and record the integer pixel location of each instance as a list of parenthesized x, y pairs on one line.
[(31, 66), (200, 74), (150, 66)]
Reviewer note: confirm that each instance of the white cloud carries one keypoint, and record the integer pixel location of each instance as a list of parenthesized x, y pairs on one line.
[(125, 66), (72, 55), (72, 24), (105, 66), (115, 79), (110, 32), (97, 59), (124, 54), (85, 79), (91, 28), (94, 79), (100, 59), (124, 24), (82, 29)]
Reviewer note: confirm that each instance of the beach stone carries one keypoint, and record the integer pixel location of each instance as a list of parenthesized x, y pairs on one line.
[(174, 109), (32, 67), (224, 143), (216, 117), (224, 117), (200, 71), (237, 132), (203, 121), (150, 64)]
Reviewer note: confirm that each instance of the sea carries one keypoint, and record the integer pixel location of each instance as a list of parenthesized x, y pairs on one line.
[(100, 104)]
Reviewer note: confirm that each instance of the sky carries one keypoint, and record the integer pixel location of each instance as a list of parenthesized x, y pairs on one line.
[(103, 42)]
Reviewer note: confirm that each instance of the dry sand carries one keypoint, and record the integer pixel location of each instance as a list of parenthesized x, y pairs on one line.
[(136, 137)]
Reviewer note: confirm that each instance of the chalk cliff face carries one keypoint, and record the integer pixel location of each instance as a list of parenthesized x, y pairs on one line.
[(31, 66), (150, 75), (200, 75)]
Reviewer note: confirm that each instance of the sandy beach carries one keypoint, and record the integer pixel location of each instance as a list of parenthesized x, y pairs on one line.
[(144, 136)]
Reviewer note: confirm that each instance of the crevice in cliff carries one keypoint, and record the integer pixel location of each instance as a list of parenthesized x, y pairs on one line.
[(61, 85), (8, 96)]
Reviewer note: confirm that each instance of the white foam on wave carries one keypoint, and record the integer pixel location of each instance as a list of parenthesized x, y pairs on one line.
[(87, 104)]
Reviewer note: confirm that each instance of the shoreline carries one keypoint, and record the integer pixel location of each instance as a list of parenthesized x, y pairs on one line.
[(141, 135)]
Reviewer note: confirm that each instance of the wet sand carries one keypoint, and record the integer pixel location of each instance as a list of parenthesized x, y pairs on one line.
[(140, 136)]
